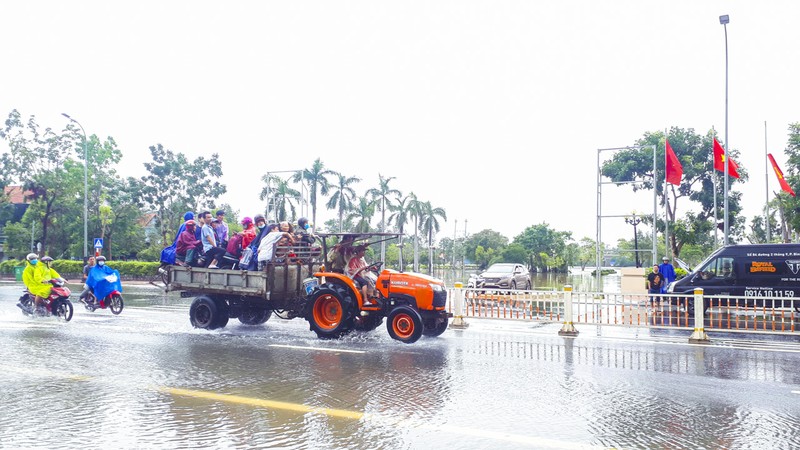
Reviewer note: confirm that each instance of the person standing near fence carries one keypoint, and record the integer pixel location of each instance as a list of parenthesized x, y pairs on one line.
[(668, 271), (655, 280)]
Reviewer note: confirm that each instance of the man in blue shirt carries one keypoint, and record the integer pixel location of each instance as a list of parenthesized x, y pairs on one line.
[(668, 271), (209, 240)]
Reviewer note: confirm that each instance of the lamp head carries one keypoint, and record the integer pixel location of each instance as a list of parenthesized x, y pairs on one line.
[(724, 20)]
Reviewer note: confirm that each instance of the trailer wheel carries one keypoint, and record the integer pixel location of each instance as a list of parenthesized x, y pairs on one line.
[(405, 324), (254, 316), (224, 314), (204, 313), (435, 327), (331, 311)]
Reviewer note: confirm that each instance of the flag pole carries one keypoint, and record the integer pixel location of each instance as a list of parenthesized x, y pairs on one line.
[(766, 180), (714, 178), (666, 200)]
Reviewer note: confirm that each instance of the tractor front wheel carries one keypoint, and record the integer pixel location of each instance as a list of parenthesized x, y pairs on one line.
[(405, 324)]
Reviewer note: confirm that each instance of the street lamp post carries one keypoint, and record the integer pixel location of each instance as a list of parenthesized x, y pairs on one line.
[(635, 221), (85, 192), (724, 20)]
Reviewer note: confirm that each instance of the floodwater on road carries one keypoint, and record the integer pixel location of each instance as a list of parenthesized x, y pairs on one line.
[(147, 379)]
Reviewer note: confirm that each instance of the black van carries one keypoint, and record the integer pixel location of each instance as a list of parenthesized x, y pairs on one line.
[(765, 273)]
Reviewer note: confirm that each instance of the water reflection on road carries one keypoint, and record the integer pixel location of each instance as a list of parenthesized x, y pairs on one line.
[(146, 379)]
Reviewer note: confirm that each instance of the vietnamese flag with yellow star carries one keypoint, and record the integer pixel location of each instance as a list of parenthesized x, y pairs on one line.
[(720, 158), (784, 185)]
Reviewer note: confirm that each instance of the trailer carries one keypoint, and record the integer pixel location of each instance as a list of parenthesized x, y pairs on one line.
[(305, 285)]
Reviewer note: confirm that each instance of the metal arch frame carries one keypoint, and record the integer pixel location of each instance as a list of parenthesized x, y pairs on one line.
[(598, 247)]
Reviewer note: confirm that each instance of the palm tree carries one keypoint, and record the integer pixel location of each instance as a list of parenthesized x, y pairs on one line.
[(400, 217), (342, 196), (315, 177), (282, 196), (415, 211), (363, 211), (430, 226), (382, 193)]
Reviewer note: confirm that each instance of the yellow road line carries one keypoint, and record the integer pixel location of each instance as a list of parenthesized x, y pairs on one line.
[(271, 404), (415, 424), (335, 350)]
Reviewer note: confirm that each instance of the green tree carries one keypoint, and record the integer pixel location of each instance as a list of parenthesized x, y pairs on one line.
[(342, 195), (430, 226), (697, 185), (415, 209), (789, 206), (544, 245), (175, 185), (316, 177), (283, 196), (41, 160), (381, 195), (485, 240), (362, 212), (400, 217)]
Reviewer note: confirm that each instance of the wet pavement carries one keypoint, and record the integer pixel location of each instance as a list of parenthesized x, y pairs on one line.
[(147, 379)]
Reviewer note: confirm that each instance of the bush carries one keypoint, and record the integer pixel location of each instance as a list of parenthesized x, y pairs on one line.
[(68, 266), (7, 267)]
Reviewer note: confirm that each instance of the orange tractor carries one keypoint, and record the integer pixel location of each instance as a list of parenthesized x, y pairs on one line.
[(412, 303)]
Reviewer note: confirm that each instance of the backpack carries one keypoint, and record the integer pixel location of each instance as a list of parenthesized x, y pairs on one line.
[(235, 245)]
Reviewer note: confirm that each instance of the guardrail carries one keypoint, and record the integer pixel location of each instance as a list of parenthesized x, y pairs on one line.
[(774, 315)]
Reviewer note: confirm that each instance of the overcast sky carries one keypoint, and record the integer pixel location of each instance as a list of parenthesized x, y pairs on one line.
[(492, 110)]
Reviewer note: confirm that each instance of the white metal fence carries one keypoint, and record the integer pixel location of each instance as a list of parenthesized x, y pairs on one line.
[(573, 309)]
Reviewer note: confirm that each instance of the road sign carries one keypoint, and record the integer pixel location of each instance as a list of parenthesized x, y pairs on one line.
[(98, 242)]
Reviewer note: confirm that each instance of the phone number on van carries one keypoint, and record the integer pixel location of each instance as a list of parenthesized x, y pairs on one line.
[(767, 293)]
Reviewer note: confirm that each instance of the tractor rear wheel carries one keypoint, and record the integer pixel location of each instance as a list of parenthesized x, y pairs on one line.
[(331, 311), (405, 324)]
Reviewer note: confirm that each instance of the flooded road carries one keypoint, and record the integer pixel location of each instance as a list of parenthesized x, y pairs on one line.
[(147, 379)]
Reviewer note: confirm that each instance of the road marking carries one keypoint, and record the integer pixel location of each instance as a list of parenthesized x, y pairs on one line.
[(795, 392), (271, 404), (532, 441), (321, 349), (413, 424)]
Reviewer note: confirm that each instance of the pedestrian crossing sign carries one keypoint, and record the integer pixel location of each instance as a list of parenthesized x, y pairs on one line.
[(98, 242)]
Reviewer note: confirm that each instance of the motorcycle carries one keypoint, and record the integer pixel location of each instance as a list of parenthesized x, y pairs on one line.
[(110, 287), (56, 304)]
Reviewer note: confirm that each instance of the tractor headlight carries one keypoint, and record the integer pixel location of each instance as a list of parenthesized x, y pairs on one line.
[(437, 287)]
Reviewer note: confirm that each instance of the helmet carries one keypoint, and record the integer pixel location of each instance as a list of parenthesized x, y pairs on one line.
[(32, 256), (188, 216), (47, 259), (190, 223), (100, 258), (302, 222), (259, 217), (247, 221)]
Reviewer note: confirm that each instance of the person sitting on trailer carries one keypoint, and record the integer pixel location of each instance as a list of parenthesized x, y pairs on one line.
[(339, 255)]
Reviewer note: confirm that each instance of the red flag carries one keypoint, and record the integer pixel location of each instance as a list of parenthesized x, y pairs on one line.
[(674, 168), (784, 185), (719, 161)]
